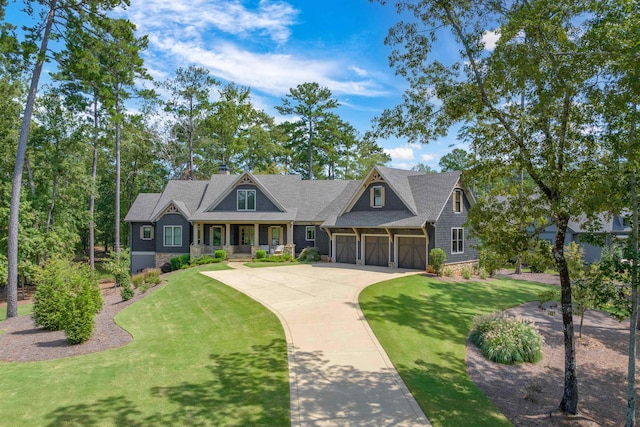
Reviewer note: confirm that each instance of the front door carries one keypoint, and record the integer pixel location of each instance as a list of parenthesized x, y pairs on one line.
[(247, 237)]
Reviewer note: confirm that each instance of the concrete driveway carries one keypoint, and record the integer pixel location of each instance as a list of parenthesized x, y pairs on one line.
[(339, 373)]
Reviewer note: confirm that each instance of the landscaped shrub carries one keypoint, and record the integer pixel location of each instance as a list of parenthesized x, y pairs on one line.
[(206, 259), (507, 340), (491, 261), (261, 254), (179, 261), (466, 272), (68, 297), (153, 280), (126, 292), (144, 287), (278, 258), (220, 254), (165, 268), (119, 267), (151, 273), (546, 296), (137, 280), (310, 255), (540, 258), (83, 305), (448, 272), (482, 272), (437, 258)]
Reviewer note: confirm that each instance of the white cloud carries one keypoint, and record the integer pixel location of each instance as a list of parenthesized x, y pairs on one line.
[(359, 71), (490, 39), (269, 18), (400, 153), (427, 157)]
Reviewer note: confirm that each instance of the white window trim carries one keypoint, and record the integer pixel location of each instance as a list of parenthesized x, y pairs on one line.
[(457, 194), (142, 228), (246, 200), (306, 233), (164, 236), (373, 196), (461, 238)]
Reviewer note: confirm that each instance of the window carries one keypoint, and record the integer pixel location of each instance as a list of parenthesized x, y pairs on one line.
[(173, 235), (377, 197), (146, 232), (247, 235), (311, 233), (457, 201), (216, 236), (457, 240), (246, 200), (275, 236)]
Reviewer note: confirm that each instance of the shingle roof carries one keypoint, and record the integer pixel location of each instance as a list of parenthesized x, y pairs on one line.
[(142, 207), (306, 201)]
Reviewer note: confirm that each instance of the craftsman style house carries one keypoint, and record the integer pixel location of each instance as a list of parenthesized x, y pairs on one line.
[(390, 218)]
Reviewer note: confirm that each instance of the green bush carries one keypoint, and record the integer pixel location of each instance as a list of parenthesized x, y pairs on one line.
[(153, 280), (83, 305), (67, 298), (448, 272), (144, 288), (482, 272), (150, 273), (178, 262), (540, 258), (466, 272), (507, 340), (491, 261), (206, 259), (261, 254), (137, 280), (119, 267), (437, 258), (220, 254), (126, 292), (549, 295), (310, 255)]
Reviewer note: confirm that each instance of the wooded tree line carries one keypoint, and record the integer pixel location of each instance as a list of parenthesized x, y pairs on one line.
[(77, 150)]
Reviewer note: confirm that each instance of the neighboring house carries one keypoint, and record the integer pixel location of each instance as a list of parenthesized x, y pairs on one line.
[(390, 218), (612, 229)]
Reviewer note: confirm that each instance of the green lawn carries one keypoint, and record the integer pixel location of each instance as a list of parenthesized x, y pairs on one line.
[(23, 310), (423, 324), (202, 354)]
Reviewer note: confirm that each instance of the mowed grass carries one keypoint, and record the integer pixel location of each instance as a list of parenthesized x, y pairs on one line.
[(202, 354), (423, 324), (23, 310)]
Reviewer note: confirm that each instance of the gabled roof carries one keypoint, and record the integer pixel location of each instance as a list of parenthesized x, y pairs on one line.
[(246, 177), (142, 207), (188, 193)]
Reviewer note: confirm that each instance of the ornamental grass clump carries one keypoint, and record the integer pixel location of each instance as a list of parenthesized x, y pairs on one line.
[(506, 339)]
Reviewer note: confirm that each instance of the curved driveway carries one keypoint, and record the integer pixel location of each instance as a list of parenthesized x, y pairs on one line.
[(339, 374)]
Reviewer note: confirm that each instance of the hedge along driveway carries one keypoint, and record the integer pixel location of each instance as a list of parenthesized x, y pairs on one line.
[(202, 354)]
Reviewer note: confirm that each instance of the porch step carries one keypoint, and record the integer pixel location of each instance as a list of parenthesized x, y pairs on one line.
[(239, 257)]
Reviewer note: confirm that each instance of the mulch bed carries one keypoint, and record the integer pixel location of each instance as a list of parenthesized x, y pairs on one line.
[(529, 395), (22, 341)]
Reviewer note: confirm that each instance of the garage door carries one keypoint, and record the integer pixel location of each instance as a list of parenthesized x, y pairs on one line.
[(412, 253), (346, 249), (376, 250)]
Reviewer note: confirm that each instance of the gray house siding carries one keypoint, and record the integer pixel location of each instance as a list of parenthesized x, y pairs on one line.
[(138, 244), (391, 200), (442, 235), (173, 219), (300, 239), (230, 203), (141, 261)]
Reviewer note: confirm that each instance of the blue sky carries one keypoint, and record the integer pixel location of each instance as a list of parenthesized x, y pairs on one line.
[(272, 46)]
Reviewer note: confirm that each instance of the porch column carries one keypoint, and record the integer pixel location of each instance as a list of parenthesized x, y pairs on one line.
[(290, 233), (256, 234), (227, 235)]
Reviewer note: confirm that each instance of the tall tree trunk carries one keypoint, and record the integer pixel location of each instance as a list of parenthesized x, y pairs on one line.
[(569, 401), (32, 185), (12, 250), (310, 149), (92, 196), (631, 371), (116, 231)]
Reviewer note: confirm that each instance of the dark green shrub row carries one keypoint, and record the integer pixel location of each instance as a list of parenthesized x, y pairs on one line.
[(278, 258), (67, 298), (261, 254), (220, 254), (204, 260), (310, 255), (179, 261), (506, 339)]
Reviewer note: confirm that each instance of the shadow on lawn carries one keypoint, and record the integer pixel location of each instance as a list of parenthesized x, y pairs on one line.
[(241, 388)]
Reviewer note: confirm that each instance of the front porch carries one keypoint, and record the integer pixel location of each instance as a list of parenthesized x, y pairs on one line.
[(242, 238)]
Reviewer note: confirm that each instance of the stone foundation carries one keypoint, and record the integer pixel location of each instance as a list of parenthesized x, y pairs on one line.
[(162, 258), (457, 266)]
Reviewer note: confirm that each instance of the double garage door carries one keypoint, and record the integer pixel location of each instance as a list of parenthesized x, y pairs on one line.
[(412, 252)]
